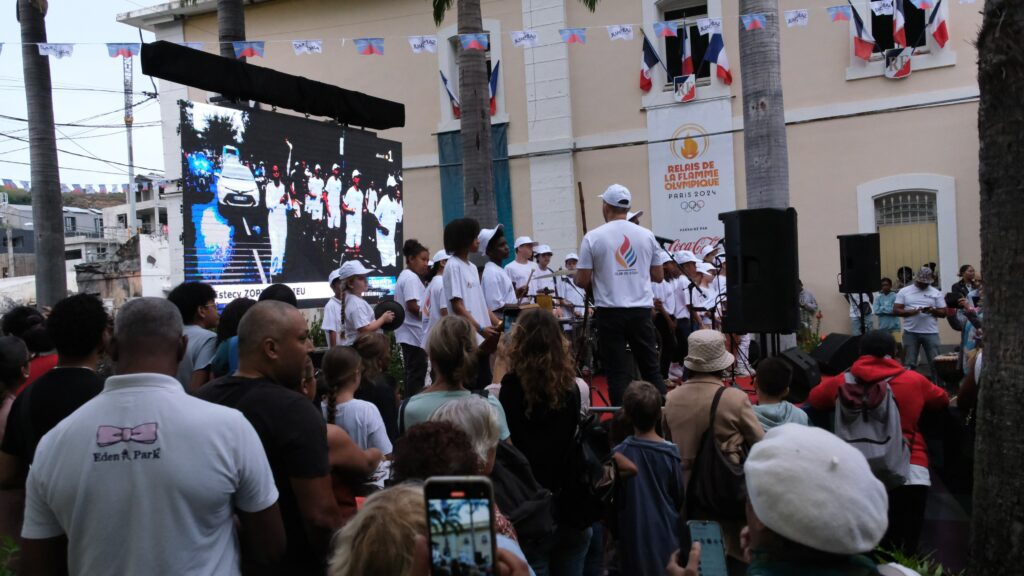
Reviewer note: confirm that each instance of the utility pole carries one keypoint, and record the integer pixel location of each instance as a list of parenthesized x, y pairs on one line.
[(133, 225), (10, 239)]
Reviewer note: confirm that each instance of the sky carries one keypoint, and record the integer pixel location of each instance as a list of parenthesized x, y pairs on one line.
[(87, 84)]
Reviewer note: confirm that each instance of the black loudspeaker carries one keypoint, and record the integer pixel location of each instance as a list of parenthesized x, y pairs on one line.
[(836, 353), (860, 264), (761, 277), (240, 81), (805, 374)]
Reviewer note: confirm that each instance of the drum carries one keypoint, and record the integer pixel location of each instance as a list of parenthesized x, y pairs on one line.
[(946, 371)]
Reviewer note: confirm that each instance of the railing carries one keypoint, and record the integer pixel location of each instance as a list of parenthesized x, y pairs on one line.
[(116, 233)]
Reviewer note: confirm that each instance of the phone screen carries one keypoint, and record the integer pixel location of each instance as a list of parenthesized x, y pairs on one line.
[(461, 525), (712, 548)]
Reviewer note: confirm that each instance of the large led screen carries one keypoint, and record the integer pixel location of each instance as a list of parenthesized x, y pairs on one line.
[(271, 198)]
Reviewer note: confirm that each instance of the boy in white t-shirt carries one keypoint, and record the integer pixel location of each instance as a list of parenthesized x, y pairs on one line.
[(541, 285), (435, 306), (497, 286), (522, 270), (356, 314), (617, 261), (331, 323)]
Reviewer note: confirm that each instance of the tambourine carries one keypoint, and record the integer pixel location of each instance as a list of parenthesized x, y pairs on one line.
[(390, 306)]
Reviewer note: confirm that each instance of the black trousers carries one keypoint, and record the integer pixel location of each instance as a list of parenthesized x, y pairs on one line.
[(415, 368), (906, 518), (667, 339), (618, 327), (683, 329)]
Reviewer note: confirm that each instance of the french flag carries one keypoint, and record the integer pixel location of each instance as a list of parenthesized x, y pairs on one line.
[(648, 60), (937, 23), (716, 55), (687, 59), (456, 106), (899, 22), (863, 41), (493, 86)]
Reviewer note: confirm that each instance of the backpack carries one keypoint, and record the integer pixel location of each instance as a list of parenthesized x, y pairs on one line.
[(869, 420), (589, 491), (717, 485), (527, 504)]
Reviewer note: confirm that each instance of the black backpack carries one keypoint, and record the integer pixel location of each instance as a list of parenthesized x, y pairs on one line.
[(589, 491), (717, 485), (527, 504)]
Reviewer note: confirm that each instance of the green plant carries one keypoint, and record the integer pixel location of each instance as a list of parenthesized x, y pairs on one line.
[(395, 367), (809, 336), (923, 564), (316, 331), (8, 552)]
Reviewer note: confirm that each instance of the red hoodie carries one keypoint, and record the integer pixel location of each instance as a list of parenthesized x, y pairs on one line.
[(912, 392)]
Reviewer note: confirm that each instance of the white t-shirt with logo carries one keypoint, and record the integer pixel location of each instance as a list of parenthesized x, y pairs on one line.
[(461, 280), (620, 254), (519, 274), (144, 479), (913, 297), (410, 287), (497, 287), (358, 314), (433, 304)]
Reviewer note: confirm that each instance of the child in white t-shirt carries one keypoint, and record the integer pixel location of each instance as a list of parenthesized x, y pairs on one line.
[(356, 315), (331, 324), (342, 368)]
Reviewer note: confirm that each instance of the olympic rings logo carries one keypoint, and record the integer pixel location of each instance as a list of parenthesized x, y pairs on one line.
[(692, 206)]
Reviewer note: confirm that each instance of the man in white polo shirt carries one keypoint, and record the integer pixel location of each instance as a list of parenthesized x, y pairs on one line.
[(523, 268), (920, 304), (145, 479), (617, 261)]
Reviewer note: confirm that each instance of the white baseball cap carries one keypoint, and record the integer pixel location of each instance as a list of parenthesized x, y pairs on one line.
[(685, 257), (439, 256), (542, 249), (332, 277), (485, 236), (707, 250), (523, 240), (617, 195), (352, 268), (571, 256), (356, 173), (705, 268), (637, 214)]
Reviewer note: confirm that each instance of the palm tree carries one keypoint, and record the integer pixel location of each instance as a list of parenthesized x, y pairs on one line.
[(47, 204), (477, 177), (230, 26), (764, 122), (996, 545)]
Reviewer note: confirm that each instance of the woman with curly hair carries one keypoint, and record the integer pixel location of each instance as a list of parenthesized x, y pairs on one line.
[(542, 405)]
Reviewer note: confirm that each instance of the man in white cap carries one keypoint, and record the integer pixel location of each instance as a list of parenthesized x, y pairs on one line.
[(540, 284), (920, 304), (497, 287), (523, 268), (315, 196), (617, 262), (333, 188), (708, 254), (352, 206)]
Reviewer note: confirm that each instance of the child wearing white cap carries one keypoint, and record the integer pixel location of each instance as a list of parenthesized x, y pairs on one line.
[(523, 268), (356, 314), (541, 285), (435, 306), (497, 286), (331, 324)]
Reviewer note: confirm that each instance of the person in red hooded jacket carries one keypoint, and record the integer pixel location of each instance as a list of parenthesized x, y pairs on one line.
[(913, 393)]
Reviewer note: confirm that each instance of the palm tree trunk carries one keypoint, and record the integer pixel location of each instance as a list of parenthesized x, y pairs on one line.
[(764, 122), (230, 26), (47, 204), (997, 540), (477, 178)]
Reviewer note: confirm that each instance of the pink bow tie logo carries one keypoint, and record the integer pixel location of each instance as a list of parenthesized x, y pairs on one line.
[(142, 434)]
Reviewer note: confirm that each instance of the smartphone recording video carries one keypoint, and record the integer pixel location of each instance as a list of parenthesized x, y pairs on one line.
[(461, 525)]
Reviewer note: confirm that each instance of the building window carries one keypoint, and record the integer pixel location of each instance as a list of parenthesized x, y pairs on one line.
[(98, 223), (73, 254), (914, 207), (914, 27), (69, 224), (122, 220), (455, 49), (908, 231), (687, 15)]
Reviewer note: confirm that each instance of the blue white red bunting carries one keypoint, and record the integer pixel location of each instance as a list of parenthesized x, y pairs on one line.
[(840, 13), (620, 32), (797, 18), (524, 38), (123, 50), (923, 4), (423, 44), (57, 51), (307, 47), (248, 49), (665, 29), (573, 35), (753, 22), (369, 46), (481, 42)]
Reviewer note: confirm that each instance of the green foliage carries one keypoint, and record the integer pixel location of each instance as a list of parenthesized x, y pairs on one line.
[(395, 367), (19, 196), (809, 335), (8, 552), (316, 331), (923, 564)]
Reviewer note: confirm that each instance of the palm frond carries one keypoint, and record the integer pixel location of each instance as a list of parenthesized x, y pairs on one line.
[(590, 4), (441, 7)]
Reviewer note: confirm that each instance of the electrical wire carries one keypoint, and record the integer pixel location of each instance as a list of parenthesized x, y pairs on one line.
[(90, 156), (94, 171)]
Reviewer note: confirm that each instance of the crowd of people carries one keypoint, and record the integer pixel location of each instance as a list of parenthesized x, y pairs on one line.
[(233, 451)]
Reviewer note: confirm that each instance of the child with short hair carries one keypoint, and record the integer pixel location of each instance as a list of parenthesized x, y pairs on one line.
[(342, 368), (772, 383), (648, 503)]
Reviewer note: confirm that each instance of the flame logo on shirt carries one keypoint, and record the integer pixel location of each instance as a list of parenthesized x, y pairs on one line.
[(625, 255)]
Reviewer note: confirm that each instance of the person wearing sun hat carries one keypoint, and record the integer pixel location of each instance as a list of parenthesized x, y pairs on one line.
[(687, 415), (357, 316)]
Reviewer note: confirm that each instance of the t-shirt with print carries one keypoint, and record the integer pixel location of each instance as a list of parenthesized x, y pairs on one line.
[(410, 287), (434, 303), (420, 407), (620, 254), (497, 287), (202, 346), (332, 316), (913, 297), (164, 471), (358, 314), (43, 404), (519, 274), (363, 422), (462, 281), (294, 437)]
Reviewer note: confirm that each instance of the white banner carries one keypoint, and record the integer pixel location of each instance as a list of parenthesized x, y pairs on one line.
[(691, 171), (421, 44), (524, 38), (620, 32), (709, 26), (882, 7), (308, 46), (57, 51), (797, 18)]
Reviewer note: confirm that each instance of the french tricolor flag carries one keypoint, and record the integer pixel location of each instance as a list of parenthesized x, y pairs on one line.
[(456, 106), (716, 55), (863, 41), (686, 55), (937, 24), (493, 87), (648, 60), (899, 22)]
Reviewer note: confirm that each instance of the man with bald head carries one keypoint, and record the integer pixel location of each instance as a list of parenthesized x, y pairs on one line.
[(273, 343), (163, 471)]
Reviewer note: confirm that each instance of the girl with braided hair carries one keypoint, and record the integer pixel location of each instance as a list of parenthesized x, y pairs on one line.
[(342, 368)]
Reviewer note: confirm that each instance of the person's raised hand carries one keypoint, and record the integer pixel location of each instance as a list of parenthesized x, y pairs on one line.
[(692, 563), (490, 332), (388, 317)]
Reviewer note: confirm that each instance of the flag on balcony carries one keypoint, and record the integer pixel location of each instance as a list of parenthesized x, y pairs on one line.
[(716, 55), (899, 23), (649, 58), (937, 24), (863, 41), (492, 86), (456, 106)]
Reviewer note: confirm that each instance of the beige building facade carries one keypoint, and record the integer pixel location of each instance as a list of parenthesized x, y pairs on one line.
[(866, 153)]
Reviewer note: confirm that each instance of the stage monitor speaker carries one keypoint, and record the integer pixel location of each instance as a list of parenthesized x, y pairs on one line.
[(805, 374), (836, 353), (860, 264), (762, 265)]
